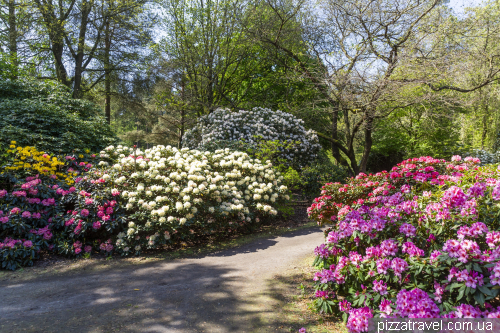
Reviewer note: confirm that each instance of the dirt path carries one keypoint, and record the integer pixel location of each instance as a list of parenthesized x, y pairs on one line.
[(224, 292)]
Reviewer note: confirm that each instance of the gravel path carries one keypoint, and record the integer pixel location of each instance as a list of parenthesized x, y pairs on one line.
[(224, 292)]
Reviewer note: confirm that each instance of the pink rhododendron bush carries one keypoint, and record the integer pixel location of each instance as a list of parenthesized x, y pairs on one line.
[(421, 241), (35, 194)]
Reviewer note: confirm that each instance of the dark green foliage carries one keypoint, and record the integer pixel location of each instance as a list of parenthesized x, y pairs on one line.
[(321, 171), (43, 114)]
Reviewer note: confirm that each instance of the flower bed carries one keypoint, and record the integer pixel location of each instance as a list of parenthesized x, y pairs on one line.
[(420, 241), (133, 201)]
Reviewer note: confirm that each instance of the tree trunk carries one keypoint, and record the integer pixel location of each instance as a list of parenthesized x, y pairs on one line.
[(335, 134), (368, 144), (485, 125), (107, 73), (13, 38), (77, 88)]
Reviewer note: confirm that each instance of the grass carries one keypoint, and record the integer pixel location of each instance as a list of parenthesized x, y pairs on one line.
[(295, 293)]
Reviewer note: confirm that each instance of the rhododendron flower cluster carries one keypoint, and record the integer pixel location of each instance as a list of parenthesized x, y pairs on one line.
[(252, 126), (420, 241)]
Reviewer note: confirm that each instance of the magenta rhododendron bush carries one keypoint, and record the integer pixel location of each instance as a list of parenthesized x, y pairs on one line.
[(420, 241)]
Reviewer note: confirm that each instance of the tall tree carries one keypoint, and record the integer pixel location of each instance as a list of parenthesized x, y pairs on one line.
[(364, 47), (79, 29)]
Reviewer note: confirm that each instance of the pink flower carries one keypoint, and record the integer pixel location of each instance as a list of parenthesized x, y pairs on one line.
[(78, 250), (28, 243), (88, 201), (3, 193), (87, 248), (26, 214), (96, 225), (15, 210), (385, 307), (358, 320), (84, 212)]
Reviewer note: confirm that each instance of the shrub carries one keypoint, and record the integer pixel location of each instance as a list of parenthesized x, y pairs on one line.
[(420, 241), (176, 195), (319, 172), (34, 185), (43, 115), (253, 127)]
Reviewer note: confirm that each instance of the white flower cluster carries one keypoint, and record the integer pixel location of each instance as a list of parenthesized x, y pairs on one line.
[(171, 187), (224, 125)]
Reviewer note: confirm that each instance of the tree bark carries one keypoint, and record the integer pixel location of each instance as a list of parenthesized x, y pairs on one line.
[(368, 144), (335, 136), (13, 38), (77, 88), (107, 73)]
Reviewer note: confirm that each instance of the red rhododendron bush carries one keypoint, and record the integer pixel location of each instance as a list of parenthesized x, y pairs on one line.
[(421, 241)]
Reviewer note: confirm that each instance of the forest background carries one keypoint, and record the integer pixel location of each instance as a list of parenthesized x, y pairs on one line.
[(378, 80)]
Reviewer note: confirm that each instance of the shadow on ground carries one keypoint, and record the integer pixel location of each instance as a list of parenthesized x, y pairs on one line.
[(170, 298), (220, 292), (263, 243)]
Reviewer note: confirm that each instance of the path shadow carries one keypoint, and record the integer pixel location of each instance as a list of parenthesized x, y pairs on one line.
[(263, 243), (149, 298)]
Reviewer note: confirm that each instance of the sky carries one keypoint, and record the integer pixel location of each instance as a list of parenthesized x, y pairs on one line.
[(459, 5)]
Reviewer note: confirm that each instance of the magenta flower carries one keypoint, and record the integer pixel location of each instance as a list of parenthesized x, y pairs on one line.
[(84, 212), (96, 225), (87, 248), (26, 214)]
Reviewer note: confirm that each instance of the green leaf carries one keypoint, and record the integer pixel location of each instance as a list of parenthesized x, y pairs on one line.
[(479, 297)]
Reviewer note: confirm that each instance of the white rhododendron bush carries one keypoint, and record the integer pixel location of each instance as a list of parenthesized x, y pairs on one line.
[(172, 195), (253, 127)]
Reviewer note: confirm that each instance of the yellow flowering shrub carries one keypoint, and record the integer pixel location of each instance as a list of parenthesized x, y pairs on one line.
[(29, 159)]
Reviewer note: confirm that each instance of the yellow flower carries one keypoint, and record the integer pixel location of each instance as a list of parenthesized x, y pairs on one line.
[(12, 146), (80, 156), (13, 142)]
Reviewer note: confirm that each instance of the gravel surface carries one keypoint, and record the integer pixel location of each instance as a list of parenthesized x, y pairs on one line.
[(224, 292)]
